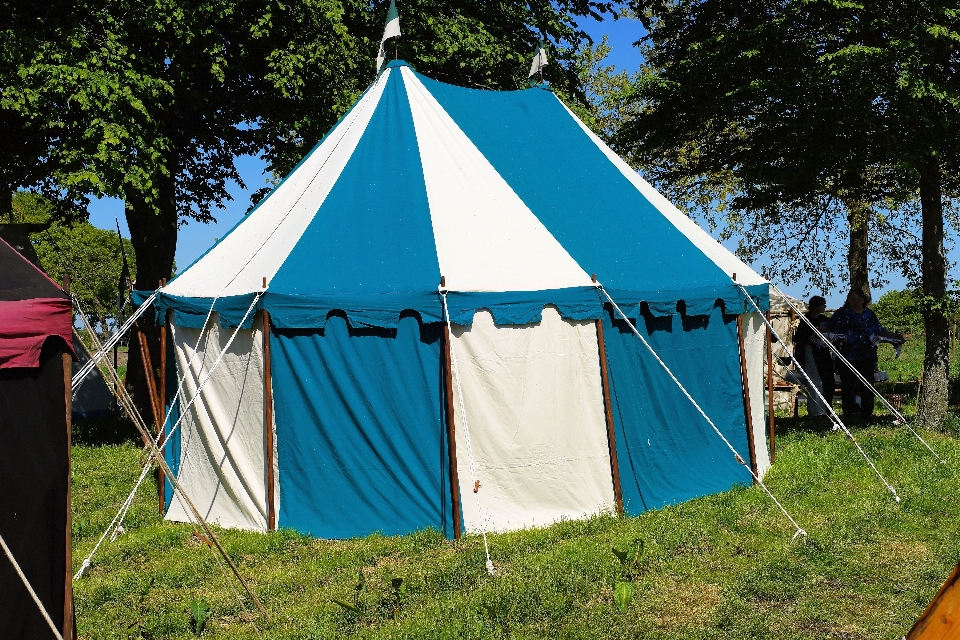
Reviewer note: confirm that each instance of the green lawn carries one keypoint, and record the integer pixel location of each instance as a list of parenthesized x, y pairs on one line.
[(722, 566)]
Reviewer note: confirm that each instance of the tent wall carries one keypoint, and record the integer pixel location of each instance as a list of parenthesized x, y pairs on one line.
[(360, 431), (755, 350), (222, 436), (34, 476), (535, 413), (667, 453)]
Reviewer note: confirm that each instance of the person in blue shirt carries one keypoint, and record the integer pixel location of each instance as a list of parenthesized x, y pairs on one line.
[(859, 326)]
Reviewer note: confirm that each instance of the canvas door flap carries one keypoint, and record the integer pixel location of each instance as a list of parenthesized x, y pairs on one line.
[(535, 413), (361, 440), (222, 466), (755, 347)]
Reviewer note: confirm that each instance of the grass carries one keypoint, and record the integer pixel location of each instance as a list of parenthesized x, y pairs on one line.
[(722, 566)]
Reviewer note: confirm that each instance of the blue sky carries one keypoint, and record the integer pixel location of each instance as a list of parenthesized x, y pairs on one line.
[(195, 238)]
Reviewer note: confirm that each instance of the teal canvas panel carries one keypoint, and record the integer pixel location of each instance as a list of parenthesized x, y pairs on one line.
[(171, 452), (361, 442), (666, 451), (373, 233), (588, 205)]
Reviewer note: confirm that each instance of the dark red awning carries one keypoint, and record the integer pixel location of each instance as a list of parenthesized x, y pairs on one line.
[(32, 309)]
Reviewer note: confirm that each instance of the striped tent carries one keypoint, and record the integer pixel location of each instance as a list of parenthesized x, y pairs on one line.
[(324, 391)]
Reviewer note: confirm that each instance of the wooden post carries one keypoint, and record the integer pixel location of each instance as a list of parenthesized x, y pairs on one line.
[(608, 414), (163, 404), (151, 377), (746, 391), (68, 401), (268, 419), (770, 404), (451, 427)]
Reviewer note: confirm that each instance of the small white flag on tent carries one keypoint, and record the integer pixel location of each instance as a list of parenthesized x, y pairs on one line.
[(539, 60), (390, 30)]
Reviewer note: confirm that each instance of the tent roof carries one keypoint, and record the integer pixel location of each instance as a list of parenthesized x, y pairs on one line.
[(32, 309), (506, 194)]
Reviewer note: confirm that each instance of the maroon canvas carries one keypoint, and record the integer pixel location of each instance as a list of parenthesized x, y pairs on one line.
[(32, 309)]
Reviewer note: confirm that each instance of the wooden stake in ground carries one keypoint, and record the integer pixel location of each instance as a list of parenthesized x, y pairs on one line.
[(941, 620)]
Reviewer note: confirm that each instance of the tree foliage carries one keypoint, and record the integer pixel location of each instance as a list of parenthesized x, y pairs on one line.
[(153, 102), (900, 311), (91, 256), (792, 112)]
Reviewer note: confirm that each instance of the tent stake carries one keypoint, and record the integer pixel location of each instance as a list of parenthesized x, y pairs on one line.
[(451, 427), (268, 421), (746, 395), (773, 446)]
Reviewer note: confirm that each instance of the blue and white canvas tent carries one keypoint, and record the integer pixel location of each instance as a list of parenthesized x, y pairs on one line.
[(516, 204)]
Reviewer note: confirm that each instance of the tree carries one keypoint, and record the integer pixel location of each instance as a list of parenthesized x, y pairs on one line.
[(91, 256), (152, 103), (810, 108), (472, 43)]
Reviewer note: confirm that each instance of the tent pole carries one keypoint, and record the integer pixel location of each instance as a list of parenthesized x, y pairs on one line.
[(608, 414), (163, 401), (773, 446), (746, 395), (151, 377), (68, 626), (451, 427), (268, 420)]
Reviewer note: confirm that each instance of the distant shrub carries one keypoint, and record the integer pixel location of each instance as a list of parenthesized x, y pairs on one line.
[(900, 311)]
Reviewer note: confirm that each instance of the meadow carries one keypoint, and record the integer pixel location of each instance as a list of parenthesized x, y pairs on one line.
[(722, 566)]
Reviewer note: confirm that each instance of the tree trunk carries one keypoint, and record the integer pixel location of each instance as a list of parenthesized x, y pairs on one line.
[(6, 205), (936, 360), (153, 233), (858, 217)]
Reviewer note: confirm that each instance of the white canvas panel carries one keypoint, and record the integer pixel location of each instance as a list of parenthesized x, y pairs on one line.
[(222, 440), (257, 248), (535, 412), (487, 239), (723, 258), (755, 347)]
